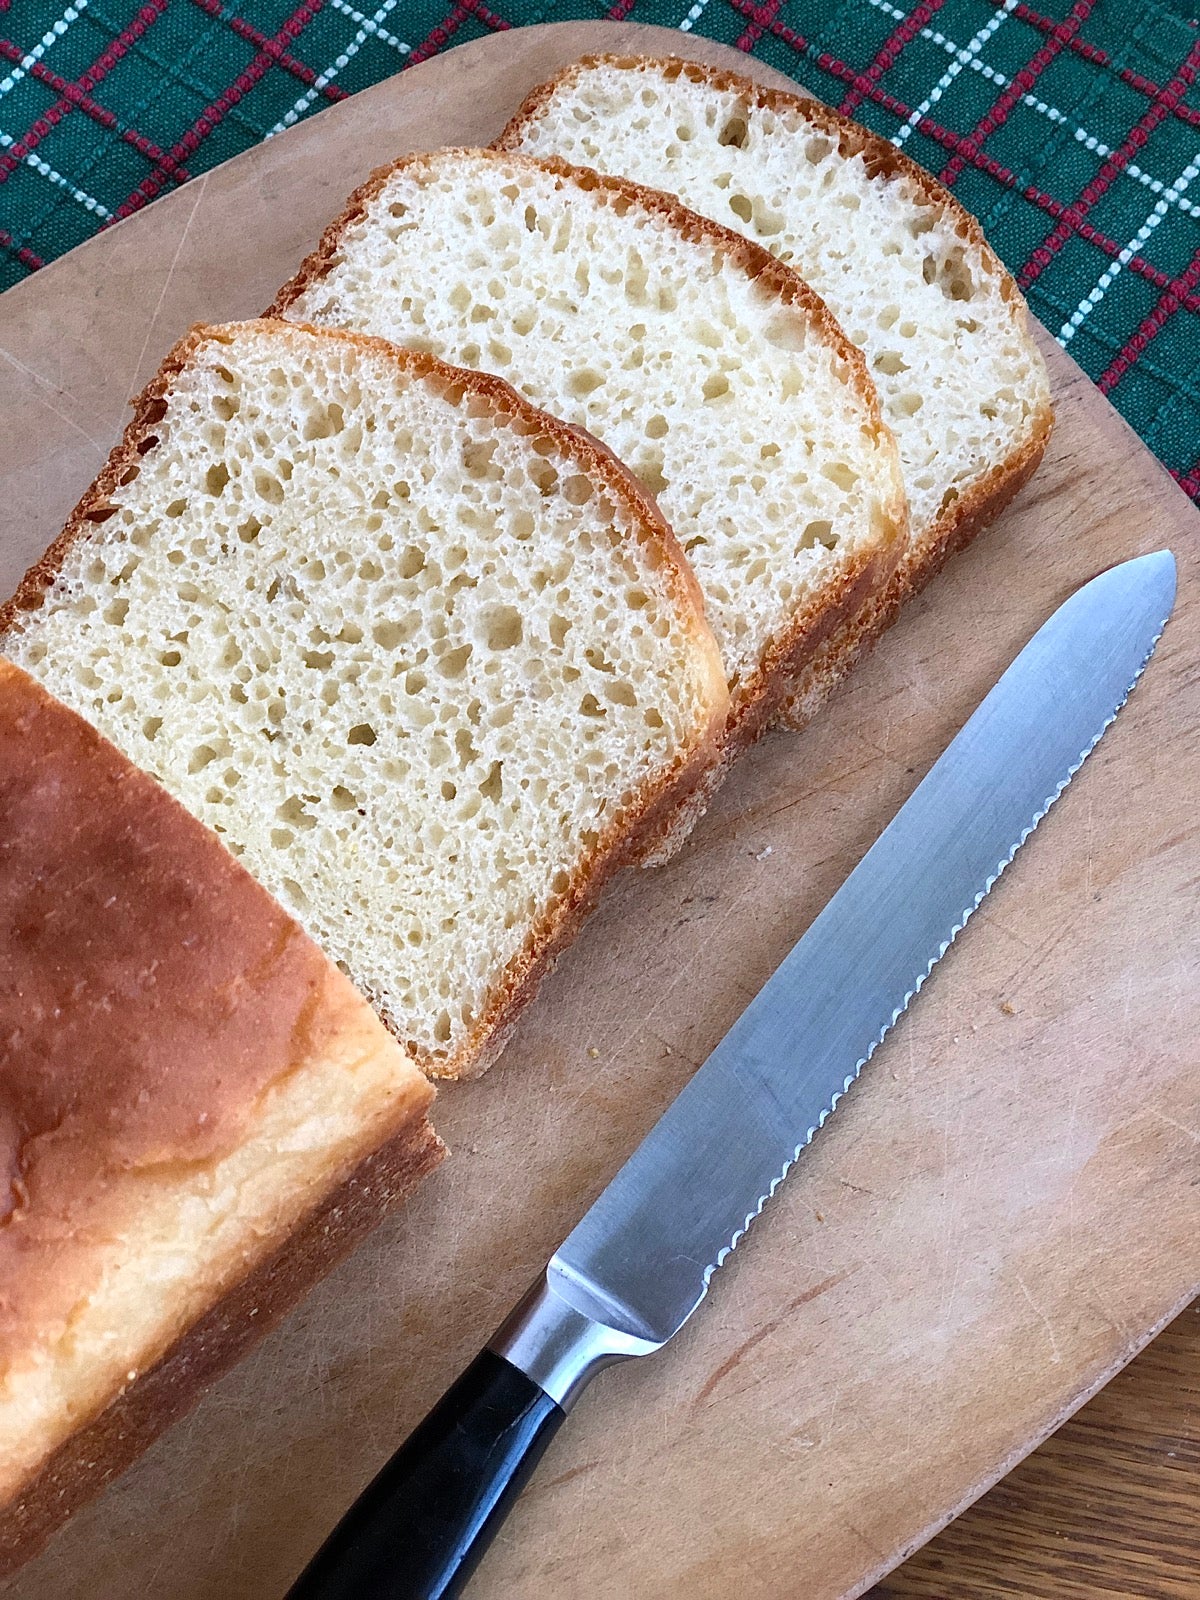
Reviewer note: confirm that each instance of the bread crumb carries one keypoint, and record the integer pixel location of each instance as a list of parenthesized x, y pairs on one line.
[(593, 1052), (1008, 1008), (762, 855), (820, 1215)]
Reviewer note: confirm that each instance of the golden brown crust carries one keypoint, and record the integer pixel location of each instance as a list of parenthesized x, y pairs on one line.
[(843, 615), (150, 993), (952, 532), (91, 1458), (957, 524), (153, 998), (623, 839)]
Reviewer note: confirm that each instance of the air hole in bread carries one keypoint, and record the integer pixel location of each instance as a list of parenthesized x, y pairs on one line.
[(899, 279), (585, 381), (736, 132)]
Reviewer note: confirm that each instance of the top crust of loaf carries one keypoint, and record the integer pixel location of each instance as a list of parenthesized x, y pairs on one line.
[(959, 522), (759, 696), (159, 1013), (618, 837)]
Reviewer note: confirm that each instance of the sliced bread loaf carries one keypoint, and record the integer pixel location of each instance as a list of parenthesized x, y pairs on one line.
[(906, 271), (709, 368), (199, 1114), (428, 661)]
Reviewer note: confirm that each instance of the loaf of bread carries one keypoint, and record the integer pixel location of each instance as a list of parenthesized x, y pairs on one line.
[(198, 1113), (428, 661), (906, 271), (708, 367)]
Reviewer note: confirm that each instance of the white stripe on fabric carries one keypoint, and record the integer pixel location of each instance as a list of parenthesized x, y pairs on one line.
[(369, 26), (1110, 274), (1051, 113), (962, 58), (32, 159), (693, 16), (372, 28), (70, 15)]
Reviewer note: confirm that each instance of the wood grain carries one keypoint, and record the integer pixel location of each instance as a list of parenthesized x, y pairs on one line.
[(1003, 1212), (1107, 1509)]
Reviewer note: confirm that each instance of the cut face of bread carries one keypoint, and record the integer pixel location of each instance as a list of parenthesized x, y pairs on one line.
[(712, 372), (186, 1079), (426, 660), (904, 269)]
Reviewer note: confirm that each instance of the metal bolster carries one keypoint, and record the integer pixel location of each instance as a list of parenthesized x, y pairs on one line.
[(559, 1347)]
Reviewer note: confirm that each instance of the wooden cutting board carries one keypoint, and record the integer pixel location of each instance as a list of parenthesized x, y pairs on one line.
[(1005, 1210)]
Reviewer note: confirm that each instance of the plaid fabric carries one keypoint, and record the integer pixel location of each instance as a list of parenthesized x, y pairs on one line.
[(1071, 129)]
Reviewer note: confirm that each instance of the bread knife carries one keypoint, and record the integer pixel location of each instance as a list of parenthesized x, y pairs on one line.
[(640, 1262)]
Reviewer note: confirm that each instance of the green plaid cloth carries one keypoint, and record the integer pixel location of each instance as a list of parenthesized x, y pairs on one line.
[(1071, 130)]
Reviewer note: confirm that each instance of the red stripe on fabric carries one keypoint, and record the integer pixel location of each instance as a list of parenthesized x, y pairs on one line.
[(489, 18), (112, 53), (100, 68), (15, 155), (762, 18), (98, 113), (213, 115), (1101, 58), (1189, 481), (1183, 111), (978, 158), (1139, 264), (255, 36), (24, 255), (889, 51), (1135, 346), (439, 37), (1021, 84), (1041, 258)]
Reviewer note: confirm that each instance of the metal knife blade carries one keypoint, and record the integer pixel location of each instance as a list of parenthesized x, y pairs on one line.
[(637, 1266), (641, 1259)]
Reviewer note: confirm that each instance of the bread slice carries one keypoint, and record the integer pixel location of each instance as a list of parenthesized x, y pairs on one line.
[(906, 271), (709, 368), (428, 661), (191, 1091)]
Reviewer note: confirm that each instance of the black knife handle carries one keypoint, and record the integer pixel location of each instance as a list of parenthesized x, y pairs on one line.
[(419, 1530)]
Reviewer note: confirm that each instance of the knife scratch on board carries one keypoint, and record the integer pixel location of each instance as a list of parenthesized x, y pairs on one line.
[(1055, 1350), (199, 184), (53, 388), (1161, 1116), (765, 1331)]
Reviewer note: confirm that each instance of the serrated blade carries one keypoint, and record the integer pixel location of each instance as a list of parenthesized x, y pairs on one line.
[(641, 1259)]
